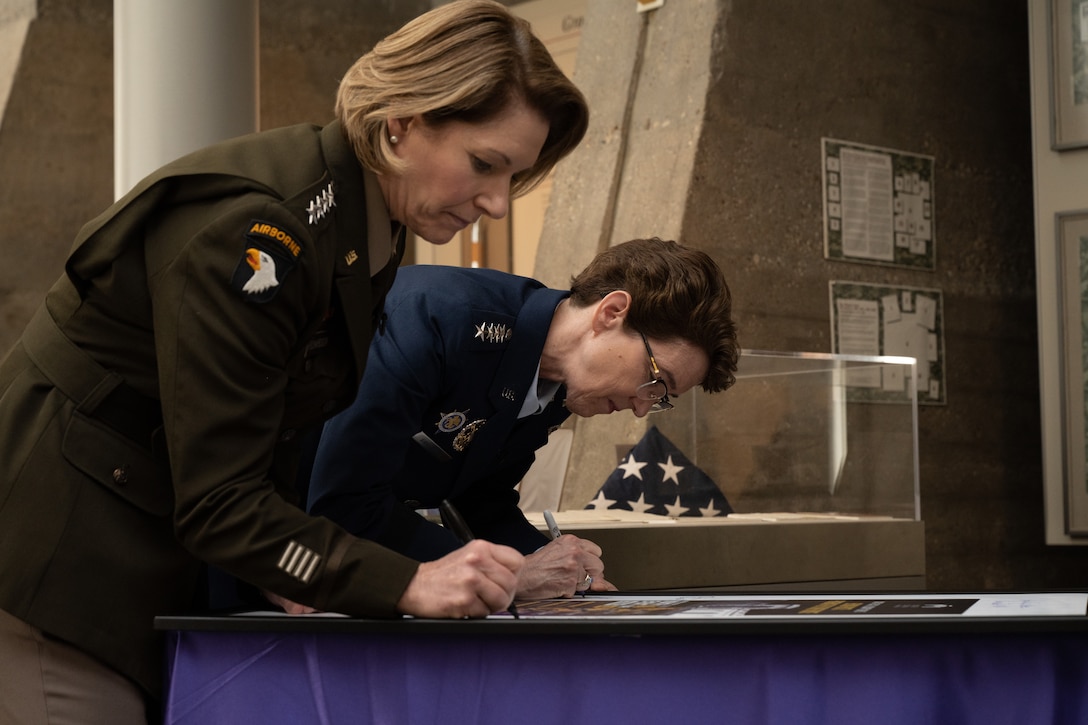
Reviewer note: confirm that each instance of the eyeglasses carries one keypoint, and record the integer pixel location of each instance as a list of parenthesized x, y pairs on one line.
[(655, 390)]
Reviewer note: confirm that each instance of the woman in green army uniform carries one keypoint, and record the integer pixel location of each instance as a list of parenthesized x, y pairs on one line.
[(151, 413)]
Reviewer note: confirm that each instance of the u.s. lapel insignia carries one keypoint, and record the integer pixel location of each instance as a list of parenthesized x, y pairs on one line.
[(321, 204), (452, 422), (508, 393), (467, 433), (493, 332)]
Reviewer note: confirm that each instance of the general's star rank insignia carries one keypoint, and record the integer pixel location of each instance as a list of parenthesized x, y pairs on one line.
[(493, 332), (321, 204)]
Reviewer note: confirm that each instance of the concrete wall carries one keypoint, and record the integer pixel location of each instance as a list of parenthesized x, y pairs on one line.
[(731, 100), (948, 79)]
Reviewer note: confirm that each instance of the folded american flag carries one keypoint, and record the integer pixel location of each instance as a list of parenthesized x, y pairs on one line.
[(656, 478)]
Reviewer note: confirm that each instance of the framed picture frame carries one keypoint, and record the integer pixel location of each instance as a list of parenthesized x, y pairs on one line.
[(1072, 239), (1068, 51)]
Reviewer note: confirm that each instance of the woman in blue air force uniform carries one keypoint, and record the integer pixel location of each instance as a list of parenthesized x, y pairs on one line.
[(472, 369)]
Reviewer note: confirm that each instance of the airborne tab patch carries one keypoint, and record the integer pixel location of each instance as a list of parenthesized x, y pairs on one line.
[(271, 252)]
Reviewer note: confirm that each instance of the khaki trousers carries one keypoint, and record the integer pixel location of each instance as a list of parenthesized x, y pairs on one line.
[(44, 681)]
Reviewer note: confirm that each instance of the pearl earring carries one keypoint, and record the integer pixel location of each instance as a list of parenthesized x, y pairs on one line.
[(393, 139)]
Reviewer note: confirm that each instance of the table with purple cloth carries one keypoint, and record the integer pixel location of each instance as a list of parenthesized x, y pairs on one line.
[(790, 668)]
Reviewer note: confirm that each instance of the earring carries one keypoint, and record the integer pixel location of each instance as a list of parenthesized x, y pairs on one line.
[(393, 140)]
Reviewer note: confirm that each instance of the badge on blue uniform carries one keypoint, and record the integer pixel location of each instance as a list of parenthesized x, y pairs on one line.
[(455, 422), (466, 434), (452, 422), (271, 252)]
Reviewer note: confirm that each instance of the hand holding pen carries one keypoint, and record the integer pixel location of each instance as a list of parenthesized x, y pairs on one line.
[(553, 530), (473, 581), (451, 519)]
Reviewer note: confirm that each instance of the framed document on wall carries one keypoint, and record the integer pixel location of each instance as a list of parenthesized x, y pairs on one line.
[(1068, 45), (878, 205), (871, 319), (1072, 234)]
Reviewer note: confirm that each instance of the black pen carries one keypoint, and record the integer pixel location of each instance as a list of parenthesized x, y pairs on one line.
[(451, 519)]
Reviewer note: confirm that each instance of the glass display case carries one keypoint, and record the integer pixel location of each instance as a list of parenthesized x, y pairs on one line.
[(816, 455), (808, 432)]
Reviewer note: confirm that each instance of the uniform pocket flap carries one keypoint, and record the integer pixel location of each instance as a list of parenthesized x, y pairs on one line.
[(118, 464)]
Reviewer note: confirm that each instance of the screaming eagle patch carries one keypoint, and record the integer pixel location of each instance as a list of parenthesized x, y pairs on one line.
[(271, 252)]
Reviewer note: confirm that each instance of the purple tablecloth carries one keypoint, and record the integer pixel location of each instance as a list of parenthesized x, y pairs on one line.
[(989, 679)]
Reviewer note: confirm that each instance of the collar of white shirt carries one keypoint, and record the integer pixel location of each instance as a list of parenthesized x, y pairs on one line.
[(540, 394)]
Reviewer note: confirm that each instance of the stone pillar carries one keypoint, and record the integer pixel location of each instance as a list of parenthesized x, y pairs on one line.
[(15, 17), (185, 76), (646, 77)]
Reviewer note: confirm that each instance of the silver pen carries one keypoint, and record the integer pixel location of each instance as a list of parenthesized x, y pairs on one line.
[(553, 528)]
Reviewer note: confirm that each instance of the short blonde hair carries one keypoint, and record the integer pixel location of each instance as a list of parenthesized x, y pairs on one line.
[(464, 61)]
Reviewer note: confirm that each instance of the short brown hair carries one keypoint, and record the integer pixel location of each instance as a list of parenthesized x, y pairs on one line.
[(676, 293), (464, 61)]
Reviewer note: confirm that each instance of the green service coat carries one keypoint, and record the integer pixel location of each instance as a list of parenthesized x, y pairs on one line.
[(150, 415)]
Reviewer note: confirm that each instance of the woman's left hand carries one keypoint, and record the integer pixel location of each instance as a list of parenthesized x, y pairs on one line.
[(561, 568)]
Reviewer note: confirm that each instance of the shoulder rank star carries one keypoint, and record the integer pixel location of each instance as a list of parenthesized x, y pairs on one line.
[(493, 332), (321, 204)]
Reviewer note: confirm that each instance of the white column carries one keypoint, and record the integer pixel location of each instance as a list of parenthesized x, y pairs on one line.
[(185, 76)]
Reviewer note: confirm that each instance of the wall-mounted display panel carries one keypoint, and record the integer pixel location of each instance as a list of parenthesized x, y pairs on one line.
[(870, 319), (878, 205)]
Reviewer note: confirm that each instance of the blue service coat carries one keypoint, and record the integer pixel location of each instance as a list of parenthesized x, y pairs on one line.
[(436, 416)]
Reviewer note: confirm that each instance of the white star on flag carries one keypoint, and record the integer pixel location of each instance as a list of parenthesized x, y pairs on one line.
[(640, 506), (671, 470), (631, 467), (600, 502), (676, 509), (708, 511)]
